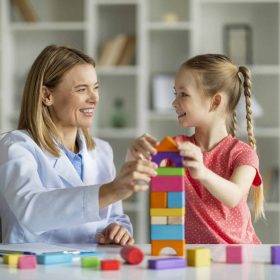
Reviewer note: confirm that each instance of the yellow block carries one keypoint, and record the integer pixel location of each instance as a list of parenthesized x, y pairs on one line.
[(167, 211), (176, 220), (198, 257), (11, 259)]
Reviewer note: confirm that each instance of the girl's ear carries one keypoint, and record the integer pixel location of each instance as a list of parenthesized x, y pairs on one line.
[(47, 97), (216, 101)]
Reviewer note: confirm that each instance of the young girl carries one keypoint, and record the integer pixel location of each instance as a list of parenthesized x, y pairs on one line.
[(220, 169)]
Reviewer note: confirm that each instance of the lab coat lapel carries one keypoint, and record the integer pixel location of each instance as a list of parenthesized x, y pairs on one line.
[(66, 170)]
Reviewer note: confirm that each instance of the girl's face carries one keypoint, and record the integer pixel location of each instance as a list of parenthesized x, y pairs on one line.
[(190, 103), (74, 100)]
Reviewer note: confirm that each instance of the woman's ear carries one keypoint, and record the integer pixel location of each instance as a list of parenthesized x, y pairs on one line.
[(47, 97), (216, 101)]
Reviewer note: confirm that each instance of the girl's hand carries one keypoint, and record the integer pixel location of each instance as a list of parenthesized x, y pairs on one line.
[(143, 147), (114, 234), (193, 159)]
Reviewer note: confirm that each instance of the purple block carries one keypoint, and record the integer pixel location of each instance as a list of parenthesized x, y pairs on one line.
[(234, 254), (275, 254), (166, 263), (167, 184), (173, 156)]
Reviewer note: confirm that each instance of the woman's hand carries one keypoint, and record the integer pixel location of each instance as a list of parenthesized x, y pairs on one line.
[(193, 159), (114, 234), (143, 147), (134, 176)]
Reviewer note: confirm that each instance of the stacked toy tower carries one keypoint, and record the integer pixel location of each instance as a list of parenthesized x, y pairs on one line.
[(167, 200)]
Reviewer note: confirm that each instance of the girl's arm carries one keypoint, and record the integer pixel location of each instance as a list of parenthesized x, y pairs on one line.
[(229, 192)]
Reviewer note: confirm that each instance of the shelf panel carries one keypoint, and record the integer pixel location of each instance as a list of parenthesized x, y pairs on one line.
[(169, 26), (269, 132), (237, 1), (117, 70), (117, 2), (162, 116), (48, 26)]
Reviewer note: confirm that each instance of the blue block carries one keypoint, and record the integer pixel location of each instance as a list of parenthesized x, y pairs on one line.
[(54, 258), (167, 232), (175, 199)]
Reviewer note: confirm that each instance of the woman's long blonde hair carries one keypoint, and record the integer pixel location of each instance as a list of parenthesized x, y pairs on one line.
[(217, 73), (48, 70)]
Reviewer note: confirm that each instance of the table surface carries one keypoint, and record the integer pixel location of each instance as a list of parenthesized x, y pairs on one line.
[(256, 266)]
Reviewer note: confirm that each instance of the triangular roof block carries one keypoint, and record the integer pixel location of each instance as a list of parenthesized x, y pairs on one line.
[(167, 145)]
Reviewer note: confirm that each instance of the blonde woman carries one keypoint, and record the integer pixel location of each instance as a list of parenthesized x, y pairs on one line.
[(58, 184)]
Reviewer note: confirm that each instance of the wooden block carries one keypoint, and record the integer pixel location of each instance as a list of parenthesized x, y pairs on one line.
[(167, 232), (198, 257), (167, 211), (27, 262), (90, 262), (175, 220), (110, 265), (166, 263), (167, 145), (11, 259), (174, 157), (132, 254), (275, 254), (167, 184), (176, 199), (54, 258), (170, 171), (158, 220), (158, 199), (234, 254), (177, 245)]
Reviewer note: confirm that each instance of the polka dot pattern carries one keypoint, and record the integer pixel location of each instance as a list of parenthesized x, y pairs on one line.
[(207, 220)]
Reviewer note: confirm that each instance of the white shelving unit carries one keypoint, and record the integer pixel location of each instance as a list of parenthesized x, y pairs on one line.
[(167, 33)]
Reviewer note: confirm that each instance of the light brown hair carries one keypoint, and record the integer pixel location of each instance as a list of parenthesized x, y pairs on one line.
[(217, 73), (48, 70)]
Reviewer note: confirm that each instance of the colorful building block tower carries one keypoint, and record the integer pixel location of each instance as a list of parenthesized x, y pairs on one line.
[(167, 200)]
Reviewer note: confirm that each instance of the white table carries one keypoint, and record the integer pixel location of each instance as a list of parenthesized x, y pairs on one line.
[(256, 266)]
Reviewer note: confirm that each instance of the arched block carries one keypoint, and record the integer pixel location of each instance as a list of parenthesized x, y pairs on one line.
[(177, 245), (173, 156)]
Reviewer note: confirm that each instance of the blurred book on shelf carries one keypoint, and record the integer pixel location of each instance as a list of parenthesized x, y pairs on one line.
[(271, 184), (26, 10), (117, 51)]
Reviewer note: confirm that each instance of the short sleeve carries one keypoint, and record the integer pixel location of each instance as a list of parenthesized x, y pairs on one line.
[(248, 156)]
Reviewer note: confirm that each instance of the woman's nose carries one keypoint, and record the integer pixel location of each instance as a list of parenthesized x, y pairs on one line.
[(93, 95)]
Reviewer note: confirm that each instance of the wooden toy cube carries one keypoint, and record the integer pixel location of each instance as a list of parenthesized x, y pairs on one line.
[(275, 254), (198, 257), (234, 254)]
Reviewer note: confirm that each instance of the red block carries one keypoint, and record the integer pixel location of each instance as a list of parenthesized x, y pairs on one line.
[(234, 254), (110, 265), (27, 262), (132, 254)]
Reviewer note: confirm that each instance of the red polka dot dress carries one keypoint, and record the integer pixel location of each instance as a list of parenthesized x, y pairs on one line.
[(207, 219)]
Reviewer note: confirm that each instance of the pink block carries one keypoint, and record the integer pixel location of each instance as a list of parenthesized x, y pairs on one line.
[(167, 184), (27, 262), (234, 254)]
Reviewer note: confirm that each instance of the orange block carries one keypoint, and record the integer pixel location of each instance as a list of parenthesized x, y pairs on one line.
[(167, 145), (158, 199), (177, 245)]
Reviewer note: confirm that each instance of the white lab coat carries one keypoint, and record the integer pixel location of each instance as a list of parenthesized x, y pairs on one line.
[(43, 199)]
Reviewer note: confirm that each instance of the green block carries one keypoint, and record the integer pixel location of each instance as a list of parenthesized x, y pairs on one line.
[(90, 262), (171, 171)]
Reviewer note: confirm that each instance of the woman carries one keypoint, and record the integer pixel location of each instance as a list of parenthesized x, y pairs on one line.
[(57, 182)]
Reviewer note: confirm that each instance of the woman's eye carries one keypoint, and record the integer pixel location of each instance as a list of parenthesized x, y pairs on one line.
[(81, 89)]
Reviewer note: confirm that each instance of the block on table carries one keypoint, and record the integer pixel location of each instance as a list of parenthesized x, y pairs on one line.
[(27, 262), (166, 263), (170, 171), (167, 184), (110, 265), (167, 211), (234, 254), (54, 258), (175, 220), (90, 262), (11, 259), (132, 254), (275, 254), (198, 257)]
